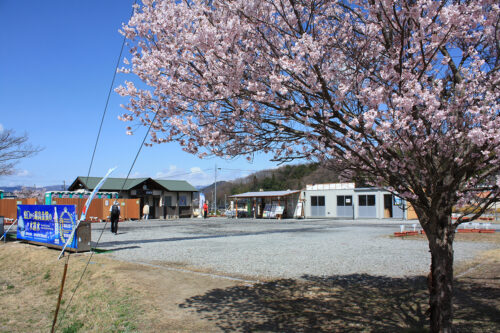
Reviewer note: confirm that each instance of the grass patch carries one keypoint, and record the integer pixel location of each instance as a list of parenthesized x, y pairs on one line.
[(103, 294), (73, 328)]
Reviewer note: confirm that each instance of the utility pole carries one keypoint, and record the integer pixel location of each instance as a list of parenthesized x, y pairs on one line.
[(64, 185), (215, 190)]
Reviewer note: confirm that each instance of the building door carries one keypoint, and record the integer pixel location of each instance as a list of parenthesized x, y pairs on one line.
[(366, 206), (154, 210), (344, 206), (318, 206), (388, 203)]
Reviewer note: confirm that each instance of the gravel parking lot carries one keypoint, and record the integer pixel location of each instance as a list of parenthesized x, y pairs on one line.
[(276, 249)]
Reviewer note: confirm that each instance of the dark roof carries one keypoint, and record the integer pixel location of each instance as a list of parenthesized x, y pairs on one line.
[(116, 184), (111, 184)]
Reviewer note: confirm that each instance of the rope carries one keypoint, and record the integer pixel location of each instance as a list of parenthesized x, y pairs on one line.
[(106, 223), (90, 167), (106, 105)]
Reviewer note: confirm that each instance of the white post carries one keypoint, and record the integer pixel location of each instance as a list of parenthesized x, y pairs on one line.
[(215, 196)]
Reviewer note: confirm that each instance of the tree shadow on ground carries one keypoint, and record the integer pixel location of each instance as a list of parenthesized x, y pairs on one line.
[(350, 303)]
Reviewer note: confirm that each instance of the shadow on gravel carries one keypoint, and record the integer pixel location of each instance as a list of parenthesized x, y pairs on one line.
[(342, 303), (228, 235), (100, 250)]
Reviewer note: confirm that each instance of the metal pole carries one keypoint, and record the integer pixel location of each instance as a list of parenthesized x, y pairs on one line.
[(215, 196)]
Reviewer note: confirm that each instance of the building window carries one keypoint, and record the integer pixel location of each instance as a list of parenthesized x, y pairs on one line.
[(318, 201), (344, 200), (366, 200)]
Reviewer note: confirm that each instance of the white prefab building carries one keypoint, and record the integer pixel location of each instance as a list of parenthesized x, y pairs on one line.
[(345, 201)]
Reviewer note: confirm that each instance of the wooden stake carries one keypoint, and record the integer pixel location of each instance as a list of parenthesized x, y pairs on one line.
[(60, 293)]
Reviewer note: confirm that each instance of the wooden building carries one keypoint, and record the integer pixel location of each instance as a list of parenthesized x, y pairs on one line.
[(166, 198)]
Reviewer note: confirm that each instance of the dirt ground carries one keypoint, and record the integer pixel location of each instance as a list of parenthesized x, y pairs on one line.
[(115, 296)]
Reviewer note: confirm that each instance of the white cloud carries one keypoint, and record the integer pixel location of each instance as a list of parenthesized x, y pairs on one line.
[(195, 170), (23, 173), (170, 172), (194, 175), (135, 174), (197, 176), (1, 128)]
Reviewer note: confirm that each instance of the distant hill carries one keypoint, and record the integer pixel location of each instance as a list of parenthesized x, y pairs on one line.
[(19, 187), (288, 177)]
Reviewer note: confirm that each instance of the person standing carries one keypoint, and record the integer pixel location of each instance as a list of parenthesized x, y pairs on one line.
[(114, 216), (205, 210), (145, 212)]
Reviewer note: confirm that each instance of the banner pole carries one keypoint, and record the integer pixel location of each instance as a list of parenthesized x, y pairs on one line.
[(85, 208), (5, 233)]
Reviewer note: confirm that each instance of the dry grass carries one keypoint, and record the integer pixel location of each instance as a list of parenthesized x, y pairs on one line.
[(118, 296), (113, 296), (30, 283)]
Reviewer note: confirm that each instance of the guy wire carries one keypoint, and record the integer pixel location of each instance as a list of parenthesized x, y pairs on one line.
[(92, 161), (106, 223)]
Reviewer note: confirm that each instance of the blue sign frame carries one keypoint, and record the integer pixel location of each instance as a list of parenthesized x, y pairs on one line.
[(48, 224)]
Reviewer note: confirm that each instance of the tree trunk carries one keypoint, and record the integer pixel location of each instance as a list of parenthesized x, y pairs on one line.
[(441, 236)]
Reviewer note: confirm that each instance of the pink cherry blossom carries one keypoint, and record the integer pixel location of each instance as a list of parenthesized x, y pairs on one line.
[(401, 94)]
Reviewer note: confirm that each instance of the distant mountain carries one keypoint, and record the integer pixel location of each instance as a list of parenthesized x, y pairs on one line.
[(288, 177), (19, 187)]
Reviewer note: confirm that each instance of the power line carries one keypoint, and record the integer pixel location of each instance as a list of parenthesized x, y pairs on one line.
[(183, 174), (90, 167), (239, 170), (107, 101), (106, 223)]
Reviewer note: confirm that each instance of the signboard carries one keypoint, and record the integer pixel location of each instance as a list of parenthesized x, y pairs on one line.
[(298, 210), (270, 211), (202, 201), (48, 224), (398, 201)]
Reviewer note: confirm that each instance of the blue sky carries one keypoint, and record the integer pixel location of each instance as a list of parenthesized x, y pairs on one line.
[(56, 66)]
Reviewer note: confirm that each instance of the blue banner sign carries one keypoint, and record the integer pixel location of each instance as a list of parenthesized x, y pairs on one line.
[(49, 224)]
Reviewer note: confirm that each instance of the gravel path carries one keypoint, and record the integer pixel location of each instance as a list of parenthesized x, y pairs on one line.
[(272, 249)]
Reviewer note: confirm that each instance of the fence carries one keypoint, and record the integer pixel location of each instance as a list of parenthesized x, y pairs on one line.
[(8, 208), (98, 210)]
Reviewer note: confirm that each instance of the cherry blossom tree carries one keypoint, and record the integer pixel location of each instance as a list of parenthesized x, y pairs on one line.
[(402, 94), (31, 192)]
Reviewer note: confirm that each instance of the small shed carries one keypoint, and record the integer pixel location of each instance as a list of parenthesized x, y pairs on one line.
[(267, 204), (345, 201)]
